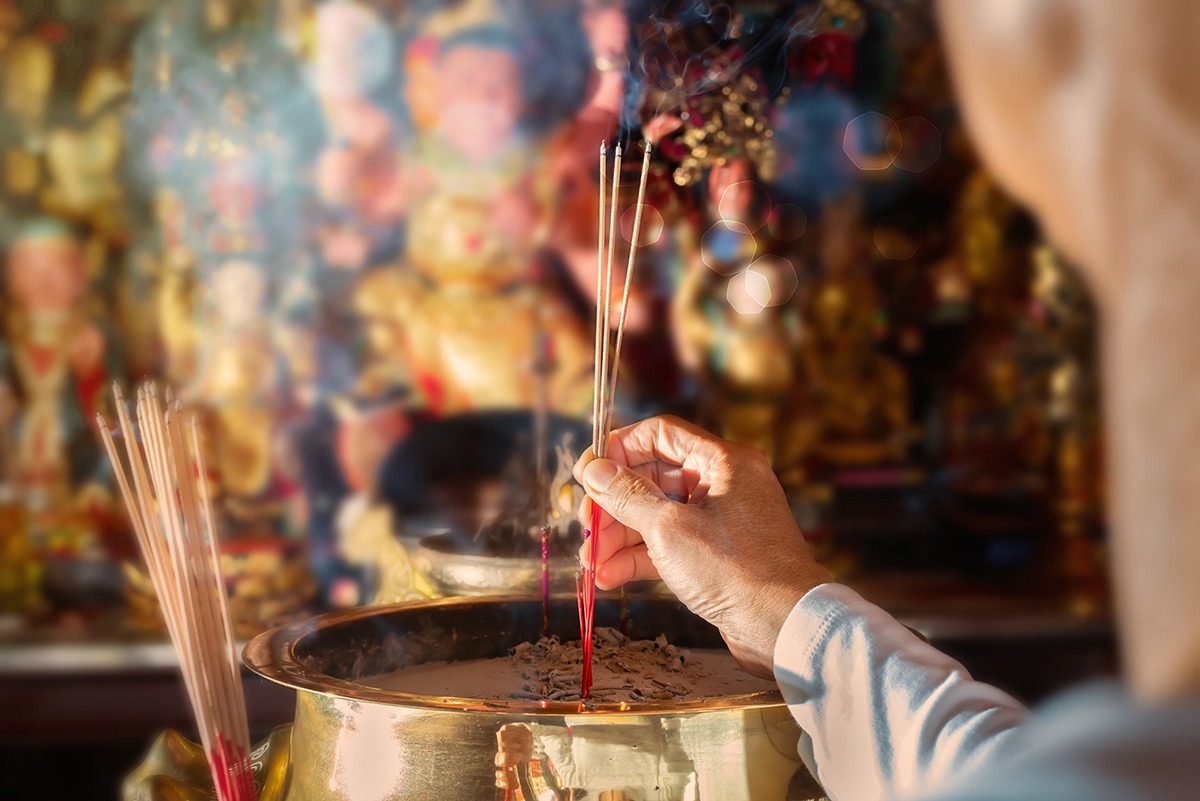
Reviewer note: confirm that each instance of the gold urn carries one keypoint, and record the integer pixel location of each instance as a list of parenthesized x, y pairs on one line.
[(352, 742)]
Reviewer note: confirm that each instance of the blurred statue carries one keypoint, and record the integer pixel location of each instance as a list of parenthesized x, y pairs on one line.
[(28, 83), (368, 428), (571, 150), (358, 173), (378, 300), (60, 361), (82, 158), (999, 432), (236, 391), (736, 313), (858, 396), (736, 325), (829, 56), (1063, 309), (478, 215), (177, 310)]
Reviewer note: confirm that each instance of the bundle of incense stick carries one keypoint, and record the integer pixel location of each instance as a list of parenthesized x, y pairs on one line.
[(166, 494), (608, 362)]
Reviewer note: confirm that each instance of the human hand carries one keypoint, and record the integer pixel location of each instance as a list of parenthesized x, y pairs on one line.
[(709, 518)]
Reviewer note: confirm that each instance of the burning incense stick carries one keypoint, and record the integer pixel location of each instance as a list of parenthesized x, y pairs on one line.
[(172, 517), (605, 380)]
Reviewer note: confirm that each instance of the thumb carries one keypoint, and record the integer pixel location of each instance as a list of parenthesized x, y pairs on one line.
[(627, 496)]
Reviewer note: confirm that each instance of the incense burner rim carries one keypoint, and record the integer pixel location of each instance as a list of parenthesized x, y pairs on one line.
[(272, 656)]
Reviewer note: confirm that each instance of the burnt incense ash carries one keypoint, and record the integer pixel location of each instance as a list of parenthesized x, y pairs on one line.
[(624, 670)]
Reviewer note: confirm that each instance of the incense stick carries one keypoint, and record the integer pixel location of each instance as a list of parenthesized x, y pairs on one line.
[(633, 246), (605, 380), (600, 291), (602, 442), (171, 512)]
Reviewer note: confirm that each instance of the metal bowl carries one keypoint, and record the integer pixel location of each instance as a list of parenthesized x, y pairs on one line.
[(352, 741), (452, 573)]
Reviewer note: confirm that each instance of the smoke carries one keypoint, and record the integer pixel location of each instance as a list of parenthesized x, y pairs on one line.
[(686, 49)]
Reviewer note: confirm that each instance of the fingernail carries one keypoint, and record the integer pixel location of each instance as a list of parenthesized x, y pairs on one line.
[(599, 474)]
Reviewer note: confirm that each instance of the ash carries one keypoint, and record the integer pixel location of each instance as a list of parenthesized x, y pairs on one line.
[(624, 669)]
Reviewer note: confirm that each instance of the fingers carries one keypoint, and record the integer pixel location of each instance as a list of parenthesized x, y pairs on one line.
[(665, 439), (626, 565), (629, 497), (614, 536), (675, 482)]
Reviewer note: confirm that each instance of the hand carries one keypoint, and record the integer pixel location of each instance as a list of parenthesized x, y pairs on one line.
[(709, 518)]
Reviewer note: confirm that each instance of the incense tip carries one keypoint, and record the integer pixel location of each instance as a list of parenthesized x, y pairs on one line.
[(603, 145), (117, 391), (618, 151)]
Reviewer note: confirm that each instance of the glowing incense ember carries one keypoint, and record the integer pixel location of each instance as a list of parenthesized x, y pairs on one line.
[(608, 361)]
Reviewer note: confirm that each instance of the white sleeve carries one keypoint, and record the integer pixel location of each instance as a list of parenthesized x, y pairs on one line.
[(888, 715)]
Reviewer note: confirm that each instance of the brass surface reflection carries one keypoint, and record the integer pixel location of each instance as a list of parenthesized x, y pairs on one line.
[(351, 742)]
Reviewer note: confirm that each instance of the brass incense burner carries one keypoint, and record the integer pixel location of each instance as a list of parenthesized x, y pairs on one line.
[(352, 742)]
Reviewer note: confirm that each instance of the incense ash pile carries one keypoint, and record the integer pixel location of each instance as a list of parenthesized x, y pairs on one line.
[(624, 670)]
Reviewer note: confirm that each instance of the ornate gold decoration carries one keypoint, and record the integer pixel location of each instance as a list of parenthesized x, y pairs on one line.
[(731, 121), (176, 769)]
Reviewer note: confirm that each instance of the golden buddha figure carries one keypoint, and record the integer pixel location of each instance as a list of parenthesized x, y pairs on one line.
[(377, 299), (478, 213), (236, 392)]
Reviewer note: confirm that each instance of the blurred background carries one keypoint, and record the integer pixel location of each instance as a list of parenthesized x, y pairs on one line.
[(358, 240)]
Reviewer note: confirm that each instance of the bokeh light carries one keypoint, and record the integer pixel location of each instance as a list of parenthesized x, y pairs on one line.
[(872, 141), (652, 225), (787, 222), (749, 292), (727, 250), (780, 275), (920, 144), (898, 236), (744, 206)]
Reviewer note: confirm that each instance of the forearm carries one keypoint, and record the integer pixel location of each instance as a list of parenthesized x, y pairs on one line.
[(888, 714)]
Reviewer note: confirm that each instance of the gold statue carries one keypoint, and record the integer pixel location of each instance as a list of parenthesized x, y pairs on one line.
[(378, 299), (236, 391), (478, 212)]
